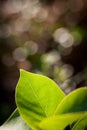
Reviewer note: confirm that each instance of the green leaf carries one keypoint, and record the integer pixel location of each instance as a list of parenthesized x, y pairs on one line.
[(15, 122), (37, 97), (60, 122), (81, 124), (76, 101)]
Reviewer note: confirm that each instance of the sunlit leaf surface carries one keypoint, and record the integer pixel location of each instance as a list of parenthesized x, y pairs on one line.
[(37, 97), (59, 122), (76, 101), (81, 124)]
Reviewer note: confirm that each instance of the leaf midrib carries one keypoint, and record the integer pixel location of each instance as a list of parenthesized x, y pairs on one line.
[(36, 95)]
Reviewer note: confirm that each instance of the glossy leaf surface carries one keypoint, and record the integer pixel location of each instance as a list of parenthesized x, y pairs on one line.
[(59, 122), (37, 97), (76, 101), (81, 124)]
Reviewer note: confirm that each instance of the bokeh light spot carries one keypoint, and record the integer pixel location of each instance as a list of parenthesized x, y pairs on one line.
[(63, 37), (20, 54)]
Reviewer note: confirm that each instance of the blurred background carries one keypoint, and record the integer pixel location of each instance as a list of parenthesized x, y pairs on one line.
[(47, 37)]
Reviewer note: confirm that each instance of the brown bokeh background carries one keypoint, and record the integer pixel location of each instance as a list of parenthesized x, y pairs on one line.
[(47, 37)]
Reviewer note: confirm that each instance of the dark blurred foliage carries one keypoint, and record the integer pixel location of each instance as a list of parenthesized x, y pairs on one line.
[(46, 2), (48, 37)]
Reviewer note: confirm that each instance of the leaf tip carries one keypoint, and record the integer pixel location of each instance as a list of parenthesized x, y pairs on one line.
[(21, 70)]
